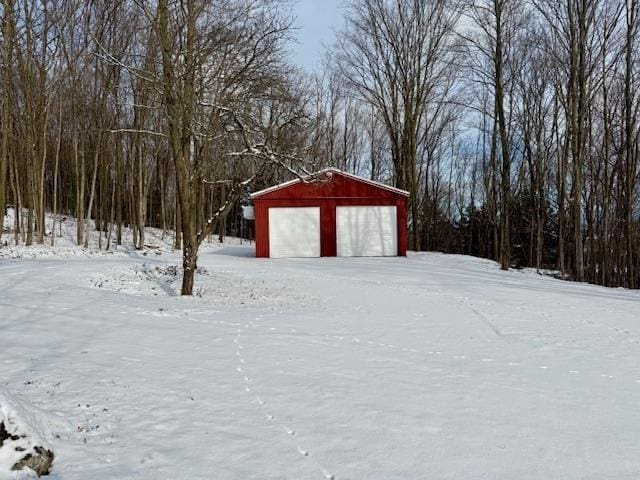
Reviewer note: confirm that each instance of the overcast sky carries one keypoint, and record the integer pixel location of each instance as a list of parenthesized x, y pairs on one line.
[(316, 22)]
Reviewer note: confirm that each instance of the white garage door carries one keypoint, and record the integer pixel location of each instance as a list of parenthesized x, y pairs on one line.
[(294, 232), (366, 231)]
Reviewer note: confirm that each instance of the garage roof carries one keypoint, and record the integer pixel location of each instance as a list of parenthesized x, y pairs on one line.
[(331, 170)]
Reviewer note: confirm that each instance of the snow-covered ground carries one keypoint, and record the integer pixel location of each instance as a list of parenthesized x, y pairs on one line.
[(156, 241), (426, 367)]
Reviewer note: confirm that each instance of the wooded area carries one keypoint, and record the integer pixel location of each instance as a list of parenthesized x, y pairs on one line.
[(513, 124)]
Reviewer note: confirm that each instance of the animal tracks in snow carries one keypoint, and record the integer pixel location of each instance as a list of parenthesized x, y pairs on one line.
[(419, 356), (472, 303), (257, 399), (487, 361)]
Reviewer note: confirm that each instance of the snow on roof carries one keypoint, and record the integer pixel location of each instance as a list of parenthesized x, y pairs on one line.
[(331, 170)]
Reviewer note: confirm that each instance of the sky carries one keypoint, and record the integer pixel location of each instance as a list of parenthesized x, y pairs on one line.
[(316, 22)]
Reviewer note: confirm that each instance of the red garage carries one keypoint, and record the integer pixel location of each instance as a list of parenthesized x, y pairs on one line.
[(332, 214)]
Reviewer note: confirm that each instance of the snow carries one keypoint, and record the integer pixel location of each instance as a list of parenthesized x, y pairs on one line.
[(156, 242), (427, 367), (23, 426)]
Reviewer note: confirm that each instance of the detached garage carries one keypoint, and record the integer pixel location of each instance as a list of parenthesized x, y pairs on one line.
[(332, 214)]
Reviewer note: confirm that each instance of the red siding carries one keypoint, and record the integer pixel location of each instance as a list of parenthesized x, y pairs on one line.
[(337, 191)]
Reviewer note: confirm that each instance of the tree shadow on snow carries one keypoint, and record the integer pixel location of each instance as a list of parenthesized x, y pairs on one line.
[(243, 251)]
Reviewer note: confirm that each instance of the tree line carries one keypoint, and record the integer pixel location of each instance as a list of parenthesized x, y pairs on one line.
[(513, 124)]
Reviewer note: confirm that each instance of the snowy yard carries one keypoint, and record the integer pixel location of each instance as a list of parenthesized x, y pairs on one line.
[(429, 367)]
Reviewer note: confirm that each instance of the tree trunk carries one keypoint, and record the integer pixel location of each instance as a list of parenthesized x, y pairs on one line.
[(56, 175), (505, 236)]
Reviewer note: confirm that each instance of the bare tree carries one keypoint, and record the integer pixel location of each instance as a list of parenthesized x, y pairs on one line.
[(394, 55), (212, 55)]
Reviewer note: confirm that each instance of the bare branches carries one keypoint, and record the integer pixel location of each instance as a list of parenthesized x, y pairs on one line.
[(396, 57), (108, 57), (139, 131), (235, 194)]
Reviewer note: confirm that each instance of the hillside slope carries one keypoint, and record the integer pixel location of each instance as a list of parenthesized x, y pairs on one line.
[(429, 367)]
